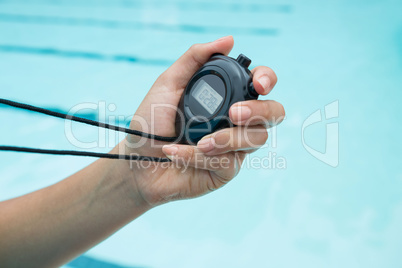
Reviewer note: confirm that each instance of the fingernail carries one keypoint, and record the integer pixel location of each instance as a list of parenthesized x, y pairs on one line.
[(240, 113), (170, 150), (264, 81), (206, 145)]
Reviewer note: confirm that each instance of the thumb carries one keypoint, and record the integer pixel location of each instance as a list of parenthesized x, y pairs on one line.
[(183, 69)]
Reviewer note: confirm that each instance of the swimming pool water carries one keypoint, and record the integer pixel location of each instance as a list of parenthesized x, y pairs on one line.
[(301, 213)]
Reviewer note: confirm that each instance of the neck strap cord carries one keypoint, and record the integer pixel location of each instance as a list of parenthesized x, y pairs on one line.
[(88, 122)]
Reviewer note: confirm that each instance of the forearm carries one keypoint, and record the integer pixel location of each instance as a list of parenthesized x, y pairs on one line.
[(50, 226)]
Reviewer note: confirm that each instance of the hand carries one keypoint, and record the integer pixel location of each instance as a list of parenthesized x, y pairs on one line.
[(217, 158)]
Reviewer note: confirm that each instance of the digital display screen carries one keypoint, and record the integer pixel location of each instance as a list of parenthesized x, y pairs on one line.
[(207, 96)]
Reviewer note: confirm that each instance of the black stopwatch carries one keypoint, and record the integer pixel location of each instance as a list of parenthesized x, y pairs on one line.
[(204, 105)]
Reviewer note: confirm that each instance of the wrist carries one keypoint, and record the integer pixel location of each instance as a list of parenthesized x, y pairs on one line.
[(143, 174), (123, 171), (134, 174)]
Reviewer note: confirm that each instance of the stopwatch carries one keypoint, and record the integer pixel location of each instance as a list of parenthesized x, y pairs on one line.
[(204, 106)]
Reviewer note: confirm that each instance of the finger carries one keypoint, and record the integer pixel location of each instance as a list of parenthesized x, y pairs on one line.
[(223, 176), (221, 168), (183, 69), (187, 155), (233, 139), (257, 112), (264, 79)]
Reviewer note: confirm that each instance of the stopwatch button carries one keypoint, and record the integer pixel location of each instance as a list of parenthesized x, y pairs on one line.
[(243, 60), (251, 90)]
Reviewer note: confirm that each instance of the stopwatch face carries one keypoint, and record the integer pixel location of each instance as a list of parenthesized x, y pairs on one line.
[(207, 95)]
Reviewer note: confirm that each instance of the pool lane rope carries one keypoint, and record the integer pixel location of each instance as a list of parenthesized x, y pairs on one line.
[(36, 109)]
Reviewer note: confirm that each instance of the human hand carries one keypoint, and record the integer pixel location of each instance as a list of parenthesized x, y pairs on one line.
[(217, 158)]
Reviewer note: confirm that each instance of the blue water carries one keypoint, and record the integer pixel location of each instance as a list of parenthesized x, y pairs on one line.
[(299, 212)]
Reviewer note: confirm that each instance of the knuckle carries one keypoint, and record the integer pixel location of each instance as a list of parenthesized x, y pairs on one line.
[(162, 77), (194, 53), (222, 138), (255, 137), (194, 48), (212, 185), (267, 108), (188, 153), (219, 181)]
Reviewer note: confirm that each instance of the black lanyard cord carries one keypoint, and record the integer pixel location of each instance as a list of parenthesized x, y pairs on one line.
[(85, 121), (83, 153), (88, 122)]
